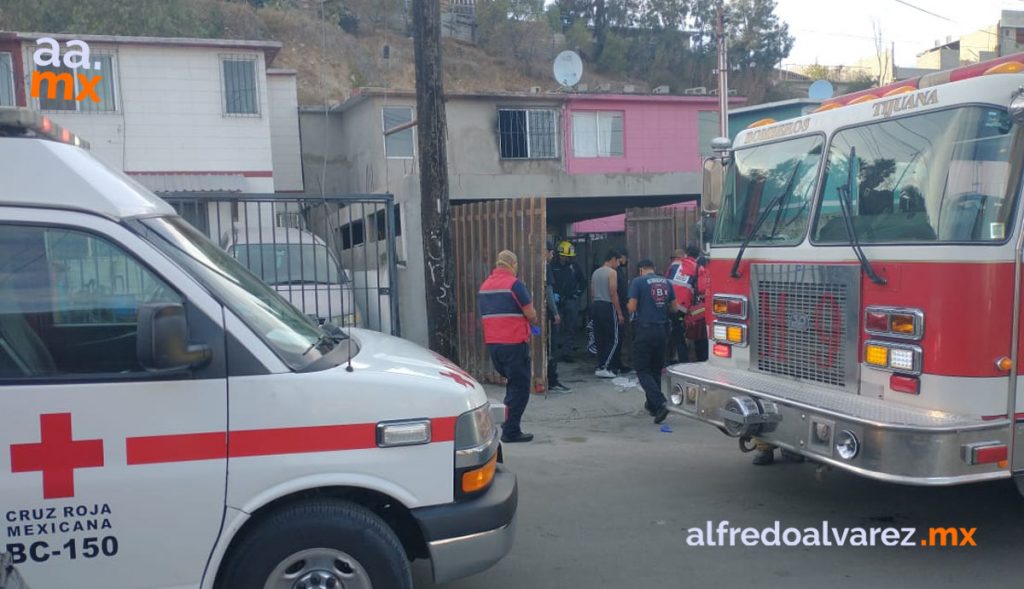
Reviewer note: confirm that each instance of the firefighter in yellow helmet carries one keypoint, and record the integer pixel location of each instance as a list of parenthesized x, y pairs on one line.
[(569, 285)]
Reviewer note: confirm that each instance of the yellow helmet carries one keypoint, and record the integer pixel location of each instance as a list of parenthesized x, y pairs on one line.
[(566, 249)]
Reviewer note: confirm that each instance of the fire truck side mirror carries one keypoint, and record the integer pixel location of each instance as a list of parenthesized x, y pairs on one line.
[(162, 339), (714, 181)]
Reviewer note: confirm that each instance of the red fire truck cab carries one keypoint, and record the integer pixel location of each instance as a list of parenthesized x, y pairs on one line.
[(866, 277)]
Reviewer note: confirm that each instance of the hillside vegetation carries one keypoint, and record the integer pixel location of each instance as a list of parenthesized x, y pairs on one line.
[(339, 45)]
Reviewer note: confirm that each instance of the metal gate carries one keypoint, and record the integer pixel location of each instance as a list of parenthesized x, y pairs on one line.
[(333, 257), (657, 232), (480, 231)]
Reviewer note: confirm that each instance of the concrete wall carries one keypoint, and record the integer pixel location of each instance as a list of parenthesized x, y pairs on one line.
[(979, 45), (477, 171), (170, 115), (351, 145), (939, 59), (284, 131)]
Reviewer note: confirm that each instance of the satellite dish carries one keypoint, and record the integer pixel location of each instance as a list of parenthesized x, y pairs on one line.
[(568, 68), (820, 90)]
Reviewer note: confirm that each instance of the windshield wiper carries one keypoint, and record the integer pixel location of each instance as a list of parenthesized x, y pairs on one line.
[(332, 334), (846, 204), (760, 221)]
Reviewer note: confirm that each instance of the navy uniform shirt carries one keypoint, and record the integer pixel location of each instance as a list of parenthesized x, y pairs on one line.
[(653, 294)]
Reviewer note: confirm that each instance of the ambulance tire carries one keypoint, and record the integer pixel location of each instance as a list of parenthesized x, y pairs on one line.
[(336, 525)]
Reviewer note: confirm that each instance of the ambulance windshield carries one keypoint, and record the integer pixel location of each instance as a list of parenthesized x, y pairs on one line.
[(768, 193), (296, 339), (935, 177)]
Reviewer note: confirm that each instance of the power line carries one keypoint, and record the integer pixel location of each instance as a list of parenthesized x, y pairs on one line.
[(918, 8)]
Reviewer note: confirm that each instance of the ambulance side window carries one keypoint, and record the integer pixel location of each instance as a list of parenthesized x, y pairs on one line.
[(69, 302)]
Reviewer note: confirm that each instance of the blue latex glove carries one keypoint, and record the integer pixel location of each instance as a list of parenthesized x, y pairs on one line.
[(535, 329)]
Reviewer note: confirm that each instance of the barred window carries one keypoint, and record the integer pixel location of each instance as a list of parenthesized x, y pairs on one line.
[(527, 134), (241, 95)]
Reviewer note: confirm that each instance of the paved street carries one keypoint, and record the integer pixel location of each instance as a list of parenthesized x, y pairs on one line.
[(606, 499)]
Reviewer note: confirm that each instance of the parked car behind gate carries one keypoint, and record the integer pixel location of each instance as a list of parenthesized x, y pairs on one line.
[(301, 268)]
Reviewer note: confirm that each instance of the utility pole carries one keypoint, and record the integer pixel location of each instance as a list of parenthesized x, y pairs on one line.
[(435, 213), (723, 72)]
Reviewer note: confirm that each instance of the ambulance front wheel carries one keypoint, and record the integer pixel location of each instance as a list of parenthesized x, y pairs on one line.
[(318, 545)]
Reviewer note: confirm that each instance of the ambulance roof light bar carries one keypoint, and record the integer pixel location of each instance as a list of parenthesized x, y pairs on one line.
[(23, 120)]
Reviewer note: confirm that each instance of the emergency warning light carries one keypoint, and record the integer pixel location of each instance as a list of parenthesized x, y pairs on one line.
[(22, 121)]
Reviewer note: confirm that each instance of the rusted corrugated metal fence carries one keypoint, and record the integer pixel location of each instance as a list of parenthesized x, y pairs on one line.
[(480, 231)]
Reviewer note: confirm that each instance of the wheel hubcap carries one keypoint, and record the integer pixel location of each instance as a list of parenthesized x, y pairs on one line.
[(319, 568)]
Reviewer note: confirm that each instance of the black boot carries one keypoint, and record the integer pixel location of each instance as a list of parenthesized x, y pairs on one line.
[(764, 456)]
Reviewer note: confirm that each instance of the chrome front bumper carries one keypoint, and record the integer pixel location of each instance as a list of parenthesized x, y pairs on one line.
[(454, 558), (896, 443), (467, 537)]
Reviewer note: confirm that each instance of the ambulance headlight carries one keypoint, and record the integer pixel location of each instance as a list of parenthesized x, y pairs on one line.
[(403, 433), (474, 428)]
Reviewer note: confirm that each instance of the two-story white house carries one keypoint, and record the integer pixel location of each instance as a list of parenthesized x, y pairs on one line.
[(179, 115)]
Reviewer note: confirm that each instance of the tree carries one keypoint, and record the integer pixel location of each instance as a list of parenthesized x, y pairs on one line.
[(881, 54)]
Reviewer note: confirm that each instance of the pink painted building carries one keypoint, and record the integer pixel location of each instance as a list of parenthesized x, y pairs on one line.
[(634, 134)]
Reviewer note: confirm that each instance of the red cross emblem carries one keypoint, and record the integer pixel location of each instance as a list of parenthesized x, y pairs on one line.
[(459, 377), (56, 455)]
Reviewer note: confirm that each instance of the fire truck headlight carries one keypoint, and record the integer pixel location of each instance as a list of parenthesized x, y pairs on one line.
[(847, 445)]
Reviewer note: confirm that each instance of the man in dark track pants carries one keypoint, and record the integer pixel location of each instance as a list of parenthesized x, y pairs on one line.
[(606, 312), (507, 312), (651, 299)]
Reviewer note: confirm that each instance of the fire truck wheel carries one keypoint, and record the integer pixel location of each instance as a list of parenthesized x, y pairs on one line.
[(318, 545)]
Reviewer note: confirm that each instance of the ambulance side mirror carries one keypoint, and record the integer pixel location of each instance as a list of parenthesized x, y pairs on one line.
[(162, 339)]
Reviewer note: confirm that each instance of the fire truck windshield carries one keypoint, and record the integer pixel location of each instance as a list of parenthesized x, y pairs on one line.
[(768, 192), (935, 177)]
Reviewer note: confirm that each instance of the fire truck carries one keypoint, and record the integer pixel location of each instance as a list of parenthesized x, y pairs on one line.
[(866, 277)]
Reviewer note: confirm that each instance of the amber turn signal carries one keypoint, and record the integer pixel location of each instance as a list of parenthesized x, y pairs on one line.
[(479, 478)]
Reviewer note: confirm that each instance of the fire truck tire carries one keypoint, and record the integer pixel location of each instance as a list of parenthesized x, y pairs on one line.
[(318, 544)]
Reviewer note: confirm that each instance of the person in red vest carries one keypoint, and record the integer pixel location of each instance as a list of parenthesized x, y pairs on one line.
[(690, 282), (507, 312)]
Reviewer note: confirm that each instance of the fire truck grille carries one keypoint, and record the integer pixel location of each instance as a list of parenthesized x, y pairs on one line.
[(805, 322)]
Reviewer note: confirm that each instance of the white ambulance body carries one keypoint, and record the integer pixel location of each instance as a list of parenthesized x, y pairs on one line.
[(168, 420)]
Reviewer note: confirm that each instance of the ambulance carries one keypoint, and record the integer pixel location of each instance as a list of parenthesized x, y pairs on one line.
[(168, 420), (866, 279)]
